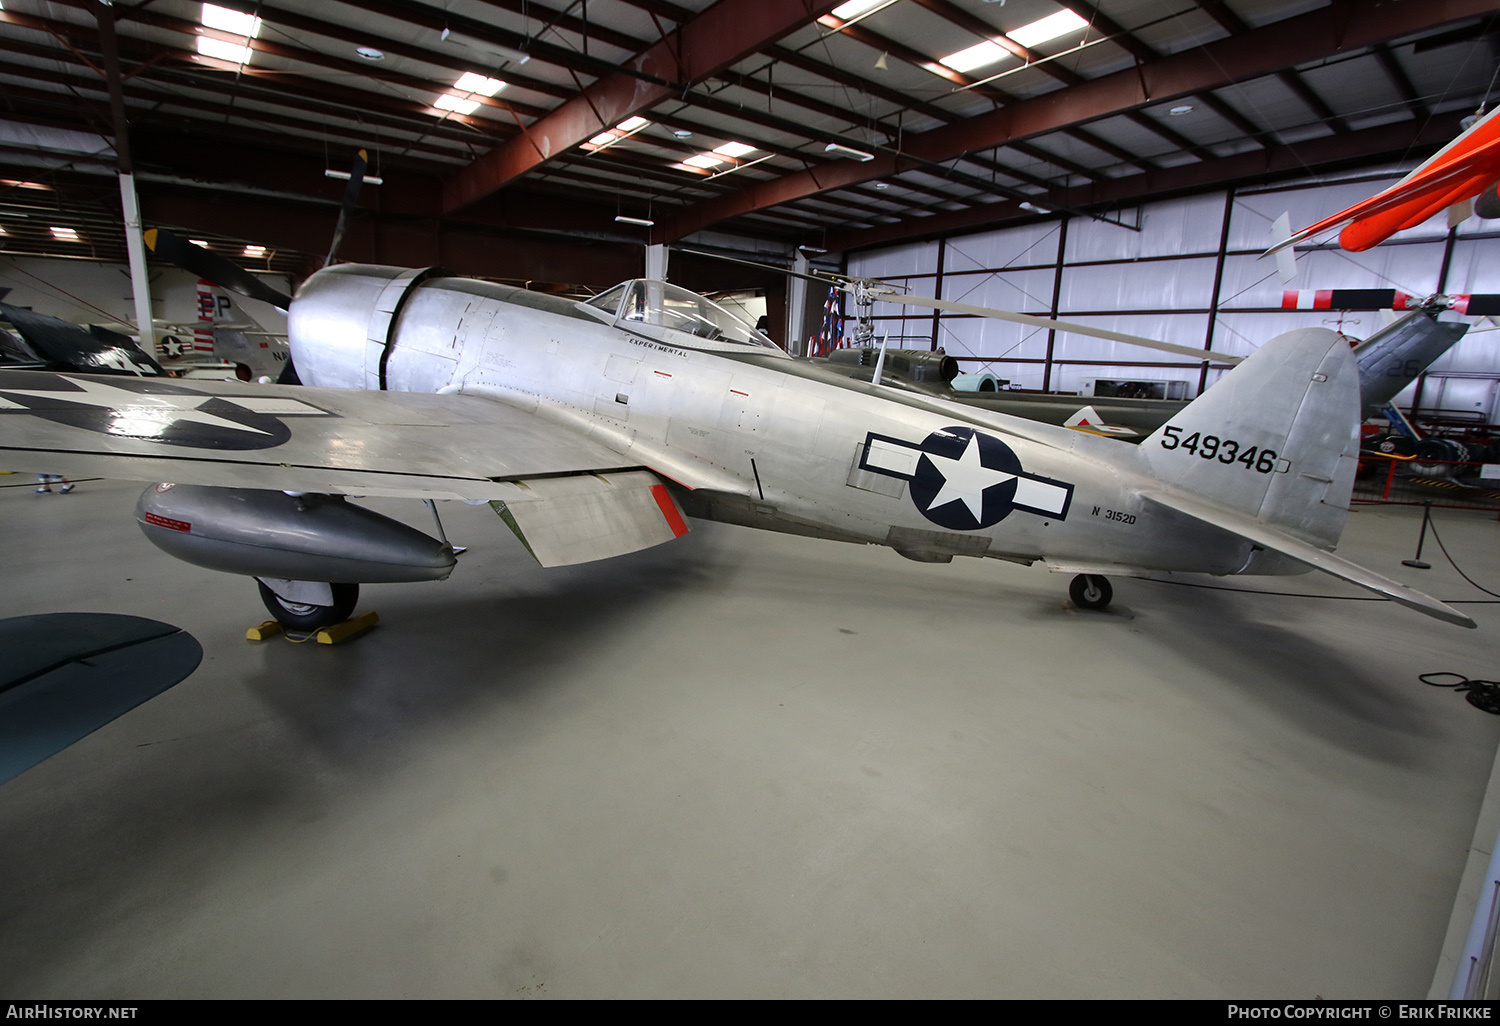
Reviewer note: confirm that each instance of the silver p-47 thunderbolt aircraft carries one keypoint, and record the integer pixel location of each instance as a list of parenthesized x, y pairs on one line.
[(598, 428)]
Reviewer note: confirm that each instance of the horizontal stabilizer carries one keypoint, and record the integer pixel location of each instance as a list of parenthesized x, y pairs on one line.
[(1253, 530)]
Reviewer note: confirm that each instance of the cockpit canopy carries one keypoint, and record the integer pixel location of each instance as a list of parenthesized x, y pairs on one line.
[(670, 306)]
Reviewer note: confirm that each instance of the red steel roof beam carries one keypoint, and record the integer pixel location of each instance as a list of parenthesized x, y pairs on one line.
[(1263, 51), (726, 32)]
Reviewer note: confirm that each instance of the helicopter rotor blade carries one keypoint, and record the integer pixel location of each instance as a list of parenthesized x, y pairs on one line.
[(351, 194), (1044, 322), (212, 267)]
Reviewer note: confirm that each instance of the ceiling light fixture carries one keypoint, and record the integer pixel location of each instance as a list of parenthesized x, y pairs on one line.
[(460, 99), (254, 251), (734, 149), (471, 83), (852, 11), (739, 167), (1048, 28), (881, 185), (1178, 111), (610, 136), (848, 151), (455, 103), (65, 234), (201, 243), (369, 53), (644, 222), (990, 52), (976, 56), (344, 176), (245, 26), (682, 133)]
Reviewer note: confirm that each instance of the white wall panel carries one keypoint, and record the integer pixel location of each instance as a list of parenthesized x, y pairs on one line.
[(920, 285), (1149, 286), (1475, 266), (1474, 397), (1252, 282), (1240, 334), (898, 261), (1190, 225), (1477, 226), (1180, 329), (985, 336), (1184, 226), (904, 332), (1023, 291), (1412, 269), (1013, 247), (1250, 223)]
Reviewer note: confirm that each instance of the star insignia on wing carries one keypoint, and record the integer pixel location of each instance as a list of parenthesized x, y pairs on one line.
[(138, 413)]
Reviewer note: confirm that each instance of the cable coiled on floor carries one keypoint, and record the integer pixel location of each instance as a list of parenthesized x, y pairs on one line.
[(1481, 694)]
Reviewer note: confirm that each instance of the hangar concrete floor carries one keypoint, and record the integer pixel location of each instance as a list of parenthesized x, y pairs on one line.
[(751, 765)]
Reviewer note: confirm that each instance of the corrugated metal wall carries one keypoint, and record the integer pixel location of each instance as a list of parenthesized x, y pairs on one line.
[(1192, 275)]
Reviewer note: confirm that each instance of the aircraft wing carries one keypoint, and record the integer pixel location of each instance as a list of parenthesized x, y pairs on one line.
[(569, 497), (283, 437), (1320, 559)]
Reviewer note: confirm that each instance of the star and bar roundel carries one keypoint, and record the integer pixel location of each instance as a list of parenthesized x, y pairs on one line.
[(965, 480), (131, 407)]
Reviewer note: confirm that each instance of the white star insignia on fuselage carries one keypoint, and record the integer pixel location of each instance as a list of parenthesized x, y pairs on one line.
[(965, 479), (137, 413)]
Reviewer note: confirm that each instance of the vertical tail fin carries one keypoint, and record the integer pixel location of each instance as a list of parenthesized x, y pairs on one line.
[(1391, 359), (1276, 438)]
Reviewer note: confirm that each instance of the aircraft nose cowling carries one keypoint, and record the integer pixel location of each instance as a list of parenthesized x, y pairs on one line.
[(274, 535), (342, 319)]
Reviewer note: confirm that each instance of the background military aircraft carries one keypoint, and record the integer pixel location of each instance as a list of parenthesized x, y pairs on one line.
[(227, 333), (597, 428), (1461, 177), (46, 341), (226, 342)]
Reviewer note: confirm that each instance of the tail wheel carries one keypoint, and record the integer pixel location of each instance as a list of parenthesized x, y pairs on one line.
[(1090, 591), (300, 616)]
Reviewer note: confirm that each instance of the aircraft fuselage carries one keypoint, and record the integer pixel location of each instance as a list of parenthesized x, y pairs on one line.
[(756, 437)]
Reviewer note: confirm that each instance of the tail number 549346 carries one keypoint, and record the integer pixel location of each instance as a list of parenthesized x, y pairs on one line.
[(1225, 450)]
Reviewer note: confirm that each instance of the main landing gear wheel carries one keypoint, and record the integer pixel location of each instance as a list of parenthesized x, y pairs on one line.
[(300, 616), (1088, 591)]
